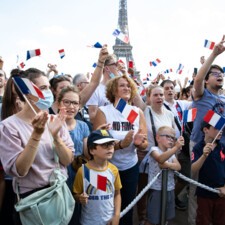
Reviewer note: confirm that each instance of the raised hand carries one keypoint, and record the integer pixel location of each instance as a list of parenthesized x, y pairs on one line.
[(103, 54), (39, 122), (219, 48), (139, 138), (180, 142), (56, 122)]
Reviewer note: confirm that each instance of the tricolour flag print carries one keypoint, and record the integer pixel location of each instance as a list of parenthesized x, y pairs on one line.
[(96, 45), (27, 87), (180, 69), (123, 37), (155, 63), (214, 119), (61, 53), (209, 44), (127, 110), (32, 53), (95, 179), (168, 71), (189, 115)]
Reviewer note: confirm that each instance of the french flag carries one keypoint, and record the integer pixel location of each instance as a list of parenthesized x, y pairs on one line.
[(32, 53), (22, 65), (168, 71), (214, 119), (96, 45), (61, 53), (209, 44), (155, 63), (123, 37), (127, 110), (189, 115), (180, 69), (27, 87), (94, 178), (130, 64)]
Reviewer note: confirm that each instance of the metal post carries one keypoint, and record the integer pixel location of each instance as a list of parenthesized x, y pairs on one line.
[(164, 196)]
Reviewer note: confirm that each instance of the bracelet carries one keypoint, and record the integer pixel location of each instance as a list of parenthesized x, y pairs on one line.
[(100, 66), (119, 144), (35, 139), (101, 62)]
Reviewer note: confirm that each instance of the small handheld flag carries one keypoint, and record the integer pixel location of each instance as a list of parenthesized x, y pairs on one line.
[(155, 63), (61, 53), (96, 45), (214, 119), (123, 37), (189, 115), (95, 179), (32, 53), (180, 69), (27, 87), (127, 110), (209, 44), (22, 65)]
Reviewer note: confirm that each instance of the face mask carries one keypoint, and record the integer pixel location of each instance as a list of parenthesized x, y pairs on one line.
[(112, 75), (46, 103)]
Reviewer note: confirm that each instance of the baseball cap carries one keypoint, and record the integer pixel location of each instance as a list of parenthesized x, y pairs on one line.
[(100, 137)]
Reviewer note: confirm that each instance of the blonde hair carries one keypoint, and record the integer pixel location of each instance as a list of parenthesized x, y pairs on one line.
[(161, 129)]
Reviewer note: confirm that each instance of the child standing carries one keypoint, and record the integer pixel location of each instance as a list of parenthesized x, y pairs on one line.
[(163, 157), (208, 161), (101, 200)]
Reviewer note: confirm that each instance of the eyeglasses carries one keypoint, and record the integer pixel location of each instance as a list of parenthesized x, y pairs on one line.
[(168, 136), (84, 82), (217, 74), (112, 64), (67, 103), (107, 144)]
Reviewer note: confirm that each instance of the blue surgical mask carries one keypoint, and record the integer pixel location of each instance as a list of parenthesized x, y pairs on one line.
[(46, 103), (112, 75)]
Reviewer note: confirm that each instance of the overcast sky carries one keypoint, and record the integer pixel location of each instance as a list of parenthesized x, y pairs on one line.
[(171, 30)]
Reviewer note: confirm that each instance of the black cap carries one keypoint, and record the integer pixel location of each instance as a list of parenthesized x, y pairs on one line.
[(99, 137)]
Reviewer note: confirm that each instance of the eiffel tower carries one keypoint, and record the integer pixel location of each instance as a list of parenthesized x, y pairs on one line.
[(120, 48)]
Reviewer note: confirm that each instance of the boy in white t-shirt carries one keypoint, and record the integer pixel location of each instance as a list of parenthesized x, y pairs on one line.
[(163, 157), (100, 199)]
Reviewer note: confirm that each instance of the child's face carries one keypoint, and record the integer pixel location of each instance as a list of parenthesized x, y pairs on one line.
[(166, 138), (211, 132), (103, 151)]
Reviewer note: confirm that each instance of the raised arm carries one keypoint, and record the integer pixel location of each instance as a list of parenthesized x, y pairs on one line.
[(161, 158), (199, 79), (87, 92), (196, 166)]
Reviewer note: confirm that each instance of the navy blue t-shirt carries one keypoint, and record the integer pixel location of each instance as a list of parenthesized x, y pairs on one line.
[(212, 172)]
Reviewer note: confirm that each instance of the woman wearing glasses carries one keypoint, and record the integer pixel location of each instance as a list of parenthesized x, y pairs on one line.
[(132, 136)]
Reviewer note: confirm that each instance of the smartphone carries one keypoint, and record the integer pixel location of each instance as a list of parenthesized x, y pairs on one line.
[(195, 70)]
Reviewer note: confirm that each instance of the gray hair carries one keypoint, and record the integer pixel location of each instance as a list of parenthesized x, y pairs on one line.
[(77, 78)]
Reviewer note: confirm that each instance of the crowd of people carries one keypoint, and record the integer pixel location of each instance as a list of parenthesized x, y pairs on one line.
[(111, 141)]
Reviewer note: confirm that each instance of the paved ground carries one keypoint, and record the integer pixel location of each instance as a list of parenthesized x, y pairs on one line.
[(180, 219)]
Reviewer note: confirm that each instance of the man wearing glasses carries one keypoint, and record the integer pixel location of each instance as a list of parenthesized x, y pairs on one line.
[(98, 98), (207, 85)]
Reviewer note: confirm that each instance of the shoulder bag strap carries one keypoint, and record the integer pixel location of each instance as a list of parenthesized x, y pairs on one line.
[(175, 118), (153, 127)]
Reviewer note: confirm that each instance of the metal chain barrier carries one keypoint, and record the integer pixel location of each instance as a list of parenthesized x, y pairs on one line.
[(138, 197)]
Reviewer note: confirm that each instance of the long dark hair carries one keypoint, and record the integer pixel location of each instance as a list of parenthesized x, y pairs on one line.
[(9, 98)]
